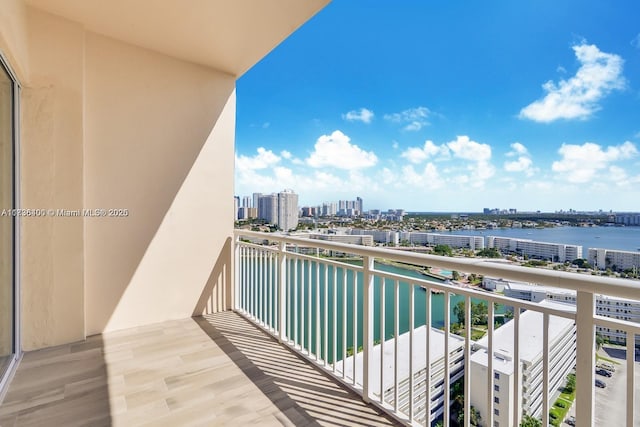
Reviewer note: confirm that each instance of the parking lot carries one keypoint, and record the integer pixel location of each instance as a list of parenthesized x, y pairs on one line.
[(610, 402)]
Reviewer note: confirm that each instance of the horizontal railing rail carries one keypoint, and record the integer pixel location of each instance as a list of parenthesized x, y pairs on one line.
[(393, 337)]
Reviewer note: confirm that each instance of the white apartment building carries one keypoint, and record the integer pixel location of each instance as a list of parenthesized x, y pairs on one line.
[(628, 219), (364, 240), (617, 308), (615, 260), (558, 252), (562, 358), (379, 236), (436, 355), (453, 240)]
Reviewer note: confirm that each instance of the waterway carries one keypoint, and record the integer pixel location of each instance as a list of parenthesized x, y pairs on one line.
[(303, 294), (616, 238)]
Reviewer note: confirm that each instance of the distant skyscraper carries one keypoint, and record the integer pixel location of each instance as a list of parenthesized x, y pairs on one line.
[(256, 196), (246, 202), (236, 205), (268, 208), (359, 205), (287, 210)]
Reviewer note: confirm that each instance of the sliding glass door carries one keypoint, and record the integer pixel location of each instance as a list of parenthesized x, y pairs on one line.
[(8, 324)]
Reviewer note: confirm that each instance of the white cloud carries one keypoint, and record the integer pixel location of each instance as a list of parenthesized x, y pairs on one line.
[(464, 148), (429, 178), (395, 145), (363, 115), (336, 151), (523, 163), (419, 154), (636, 42), (518, 149), (577, 98), (388, 176), (413, 118), (581, 163), (263, 159), (285, 154)]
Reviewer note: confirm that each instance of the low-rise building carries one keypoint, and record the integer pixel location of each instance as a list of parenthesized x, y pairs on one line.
[(613, 259), (558, 252), (617, 308), (364, 240), (562, 358), (436, 357), (452, 240), (379, 236)]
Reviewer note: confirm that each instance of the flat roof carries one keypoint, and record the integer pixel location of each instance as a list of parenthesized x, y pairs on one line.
[(436, 353), (520, 286), (530, 339)]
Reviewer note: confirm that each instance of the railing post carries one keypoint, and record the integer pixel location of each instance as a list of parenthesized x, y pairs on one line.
[(235, 283), (367, 327), (585, 344), (282, 292)]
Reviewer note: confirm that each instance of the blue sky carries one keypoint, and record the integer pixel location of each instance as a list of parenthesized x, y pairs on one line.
[(449, 106)]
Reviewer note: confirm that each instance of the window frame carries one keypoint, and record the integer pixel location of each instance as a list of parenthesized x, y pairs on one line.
[(5, 379)]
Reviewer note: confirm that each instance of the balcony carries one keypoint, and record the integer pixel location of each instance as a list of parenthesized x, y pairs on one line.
[(304, 346), (212, 370)]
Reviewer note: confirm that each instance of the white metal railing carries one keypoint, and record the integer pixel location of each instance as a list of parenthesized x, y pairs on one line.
[(373, 329)]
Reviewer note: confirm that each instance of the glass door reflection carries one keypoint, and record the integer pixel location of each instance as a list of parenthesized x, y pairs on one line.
[(7, 222)]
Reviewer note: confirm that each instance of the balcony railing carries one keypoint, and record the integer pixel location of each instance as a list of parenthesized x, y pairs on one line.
[(389, 337)]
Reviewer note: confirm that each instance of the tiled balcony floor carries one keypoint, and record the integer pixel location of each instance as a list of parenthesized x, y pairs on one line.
[(214, 370)]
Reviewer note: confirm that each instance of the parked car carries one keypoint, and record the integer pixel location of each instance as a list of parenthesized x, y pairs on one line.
[(571, 421), (606, 365), (603, 372), (600, 384)]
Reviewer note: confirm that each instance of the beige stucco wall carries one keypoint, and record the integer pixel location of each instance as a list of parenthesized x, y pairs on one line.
[(108, 125), (46, 54), (158, 142), (105, 124)]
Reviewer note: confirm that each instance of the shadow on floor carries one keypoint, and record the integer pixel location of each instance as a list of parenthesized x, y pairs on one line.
[(302, 393)]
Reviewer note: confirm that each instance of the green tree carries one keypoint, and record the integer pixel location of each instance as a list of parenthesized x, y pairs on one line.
[(455, 275), (489, 253), (599, 341), (444, 250), (479, 313), (570, 386), (529, 421), (474, 417), (458, 310)]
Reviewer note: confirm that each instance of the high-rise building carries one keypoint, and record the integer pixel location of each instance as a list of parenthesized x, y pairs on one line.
[(246, 202), (359, 205), (287, 210), (236, 205), (279, 209), (268, 208), (256, 197)]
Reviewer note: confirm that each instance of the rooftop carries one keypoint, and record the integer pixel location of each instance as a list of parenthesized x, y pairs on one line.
[(530, 339)]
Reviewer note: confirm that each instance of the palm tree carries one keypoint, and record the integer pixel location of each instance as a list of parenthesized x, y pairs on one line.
[(599, 341)]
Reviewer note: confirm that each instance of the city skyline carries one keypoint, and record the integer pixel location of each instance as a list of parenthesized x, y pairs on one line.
[(431, 108)]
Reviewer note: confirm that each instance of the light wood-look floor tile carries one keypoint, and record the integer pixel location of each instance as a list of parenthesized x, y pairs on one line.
[(207, 371)]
